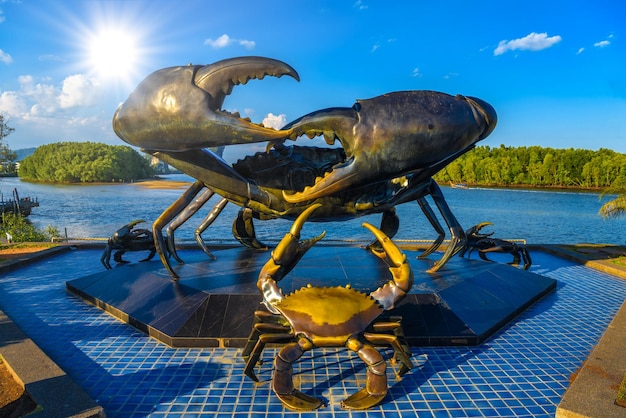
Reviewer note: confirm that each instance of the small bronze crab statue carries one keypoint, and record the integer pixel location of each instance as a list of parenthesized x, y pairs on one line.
[(328, 317), (484, 243), (391, 147), (127, 238)]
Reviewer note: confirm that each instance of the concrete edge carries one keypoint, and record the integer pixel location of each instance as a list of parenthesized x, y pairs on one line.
[(47, 384), (593, 388), (600, 265), (30, 257)]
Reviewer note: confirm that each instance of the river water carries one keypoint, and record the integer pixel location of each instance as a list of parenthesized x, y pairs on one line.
[(538, 216)]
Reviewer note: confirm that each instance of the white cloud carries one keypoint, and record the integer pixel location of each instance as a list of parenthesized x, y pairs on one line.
[(602, 44), (82, 121), (247, 44), (25, 80), (275, 121), (359, 5), (44, 96), (416, 72), (580, 51), (6, 58), (78, 90), (225, 40), (11, 104), (220, 42), (531, 42), (39, 100)]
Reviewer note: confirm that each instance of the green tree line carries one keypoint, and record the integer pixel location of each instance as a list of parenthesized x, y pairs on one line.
[(537, 167), (84, 162)]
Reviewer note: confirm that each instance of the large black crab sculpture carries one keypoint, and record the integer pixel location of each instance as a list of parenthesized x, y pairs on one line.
[(391, 147)]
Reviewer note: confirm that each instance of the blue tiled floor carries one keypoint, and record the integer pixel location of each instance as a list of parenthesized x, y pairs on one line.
[(522, 371)]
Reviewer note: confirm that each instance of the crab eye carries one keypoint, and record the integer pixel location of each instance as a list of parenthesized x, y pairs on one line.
[(356, 107)]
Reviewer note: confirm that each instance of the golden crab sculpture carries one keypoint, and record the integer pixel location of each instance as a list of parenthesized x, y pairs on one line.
[(328, 317)]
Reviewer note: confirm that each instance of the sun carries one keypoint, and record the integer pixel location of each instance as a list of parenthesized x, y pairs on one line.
[(113, 53)]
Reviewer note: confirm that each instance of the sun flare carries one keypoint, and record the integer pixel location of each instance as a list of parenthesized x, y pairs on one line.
[(113, 53)]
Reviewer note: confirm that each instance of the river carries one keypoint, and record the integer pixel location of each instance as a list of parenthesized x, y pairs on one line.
[(538, 216)]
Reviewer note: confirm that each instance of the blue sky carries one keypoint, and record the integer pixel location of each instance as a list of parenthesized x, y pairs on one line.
[(554, 71)]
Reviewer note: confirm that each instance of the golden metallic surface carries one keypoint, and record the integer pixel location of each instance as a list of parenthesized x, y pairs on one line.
[(329, 311)]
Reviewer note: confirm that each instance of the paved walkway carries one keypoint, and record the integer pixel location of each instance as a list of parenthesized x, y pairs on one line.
[(524, 370)]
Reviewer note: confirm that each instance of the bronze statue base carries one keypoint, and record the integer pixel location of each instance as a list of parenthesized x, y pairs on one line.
[(213, 303)]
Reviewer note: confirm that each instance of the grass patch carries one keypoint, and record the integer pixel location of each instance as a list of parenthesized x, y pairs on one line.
[(38, 246), (621, 261)]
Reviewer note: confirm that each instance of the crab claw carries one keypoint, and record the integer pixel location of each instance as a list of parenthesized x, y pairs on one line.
[(291, 249), (394, 135), (179, 108), (132, 224), (284, 258), (474, 231), (397, 288), (120, 233)]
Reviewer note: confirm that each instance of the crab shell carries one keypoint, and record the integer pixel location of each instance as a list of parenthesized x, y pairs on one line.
[(329, 315)]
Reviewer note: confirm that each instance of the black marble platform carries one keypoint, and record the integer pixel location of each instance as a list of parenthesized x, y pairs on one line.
[(212, 305)]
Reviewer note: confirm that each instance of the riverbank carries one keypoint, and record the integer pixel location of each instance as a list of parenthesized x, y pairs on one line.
[(163, 184), (154, 183), (527, 187)]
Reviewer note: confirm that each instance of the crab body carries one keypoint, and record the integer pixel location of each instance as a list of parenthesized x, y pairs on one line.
[(307, 310), (391, 147)]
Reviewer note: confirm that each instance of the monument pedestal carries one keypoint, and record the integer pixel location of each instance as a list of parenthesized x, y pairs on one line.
[(213, 303)]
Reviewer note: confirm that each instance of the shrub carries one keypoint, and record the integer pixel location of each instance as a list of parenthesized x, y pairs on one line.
[(22, 230)]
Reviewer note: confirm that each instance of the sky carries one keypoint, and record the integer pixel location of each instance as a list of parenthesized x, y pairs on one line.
[(555, 71)]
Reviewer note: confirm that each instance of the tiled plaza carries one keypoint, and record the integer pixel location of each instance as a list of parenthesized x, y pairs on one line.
[(523, 370)]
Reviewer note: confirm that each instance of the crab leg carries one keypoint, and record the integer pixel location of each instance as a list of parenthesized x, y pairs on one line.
[(457, 235), (270, 328), (376, 386), (243, 230), (402, 351), (219, 176), (282, 383), (217, 209), (182, 217), (432, 218), (170, 213)]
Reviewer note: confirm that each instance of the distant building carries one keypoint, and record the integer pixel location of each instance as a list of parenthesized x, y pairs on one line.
[(159, 166)]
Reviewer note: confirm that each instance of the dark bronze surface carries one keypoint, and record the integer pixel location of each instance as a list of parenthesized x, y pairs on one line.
[(214, 302), (392, 145)]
